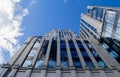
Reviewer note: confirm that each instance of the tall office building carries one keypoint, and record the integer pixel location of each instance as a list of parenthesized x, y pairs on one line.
[(62, 53), (101, 28)]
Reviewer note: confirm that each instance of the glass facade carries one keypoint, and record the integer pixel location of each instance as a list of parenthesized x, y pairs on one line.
[(113, 53), (85, 55), (97, 13), (110, 38), (41, 56), (52, 57), (96, 56), (64, 56), (109, 23), (117, 32), (31, 54), (74, 54), (27, 63)]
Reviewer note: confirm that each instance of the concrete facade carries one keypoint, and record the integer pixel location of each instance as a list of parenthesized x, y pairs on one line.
[(62, 53)]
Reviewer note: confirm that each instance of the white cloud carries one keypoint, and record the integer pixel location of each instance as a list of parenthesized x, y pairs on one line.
[(10, 26)]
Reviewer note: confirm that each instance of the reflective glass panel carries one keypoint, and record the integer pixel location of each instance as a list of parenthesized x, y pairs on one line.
[(74, 54), (52, 57), (39, 63), (64, 56), (85, 55), (96, 56), (26, 63), (94, 12), (112, 52), (32, 53)]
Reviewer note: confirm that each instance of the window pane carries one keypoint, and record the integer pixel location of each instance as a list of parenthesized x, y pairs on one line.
[(74, 54), (52, 57), (41, 56), (52, 64), (26, 63), (111, 16), (112, 52), (94, 12), (37, 44), (85, 55), (96, 56), (32, 53), (39, 63), (64, 57)]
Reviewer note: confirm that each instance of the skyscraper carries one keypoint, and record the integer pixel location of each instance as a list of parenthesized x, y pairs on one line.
[(62, 53), (101, 28), (102, 24)]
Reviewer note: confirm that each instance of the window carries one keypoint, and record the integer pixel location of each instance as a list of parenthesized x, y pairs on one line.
[(95, 13), (109, 23), (32, 53), (27, 63), (117, 33), (112, 52), (74, 54), (39, 63), (37, 44), (85, 55), (64, 56), (52, 57), (30, 57), (96, 56), (62, 44), (41, 56)]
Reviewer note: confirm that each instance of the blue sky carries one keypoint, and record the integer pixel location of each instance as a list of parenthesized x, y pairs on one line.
[(20, 19)]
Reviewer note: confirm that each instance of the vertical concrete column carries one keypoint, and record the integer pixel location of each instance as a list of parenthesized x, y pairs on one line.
[(26, 52), (44, 69), (15, 57), (105, 56), (79, 53), (102, 73), (3, 73), (19, 52), (89, 53), (58, 64), (58, 72), (72, 67), (69, 53), (5, 69), (115, 71), (22, 58), (38, 51), (48, 52), (73, 73), (92, 58), (43, 73), (58, 52), (88, 73), (28, 72), (29, 69), (14, 71)]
